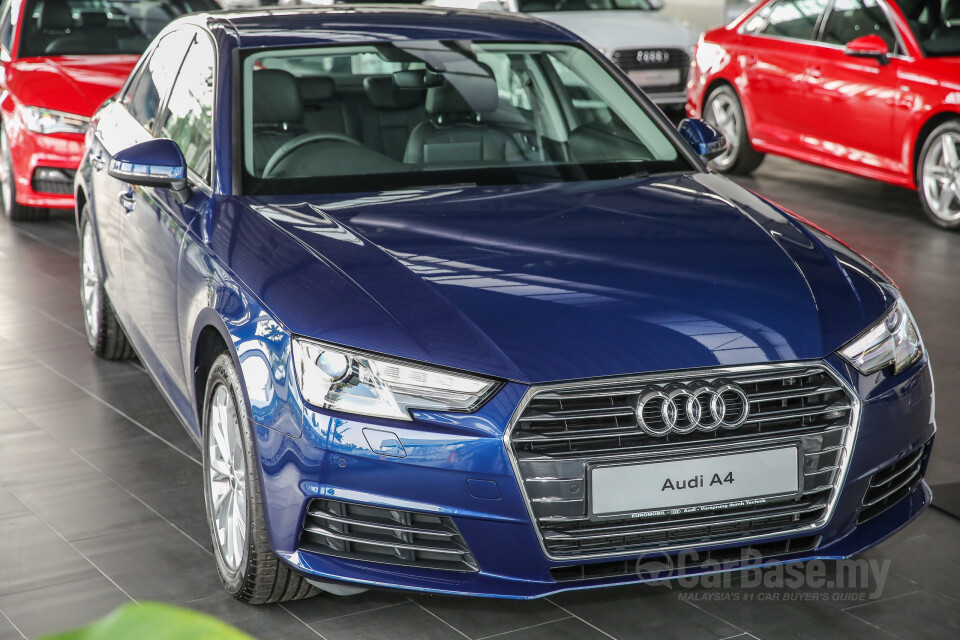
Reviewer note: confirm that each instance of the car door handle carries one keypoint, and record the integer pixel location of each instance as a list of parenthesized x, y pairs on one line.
[(97, 161), (814, 72), (127, 200), (750, 60)]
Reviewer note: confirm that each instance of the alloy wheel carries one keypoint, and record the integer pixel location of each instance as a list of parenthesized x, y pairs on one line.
[(940, 177), (227, 478), (723, 114), (90, 283)]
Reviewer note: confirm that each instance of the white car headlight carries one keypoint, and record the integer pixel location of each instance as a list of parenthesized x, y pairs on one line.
[(41, 120), (340, 379), (893, 341)]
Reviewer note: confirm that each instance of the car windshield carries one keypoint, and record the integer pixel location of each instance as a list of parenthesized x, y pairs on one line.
[(91, 27), (543, 6), (428, 113), (935, 24)]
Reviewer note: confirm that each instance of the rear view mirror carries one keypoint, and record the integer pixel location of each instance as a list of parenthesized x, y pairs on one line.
[(154, 163), (706, 141), (870, 46), (417, 79)]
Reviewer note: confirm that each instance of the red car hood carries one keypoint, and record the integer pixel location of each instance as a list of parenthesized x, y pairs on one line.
[(73, 84)]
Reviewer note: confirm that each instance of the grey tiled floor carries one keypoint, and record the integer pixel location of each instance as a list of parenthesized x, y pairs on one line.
[(100, 498)]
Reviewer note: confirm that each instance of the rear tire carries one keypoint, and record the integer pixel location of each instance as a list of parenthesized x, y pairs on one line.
[(248, 568), (938, 176), (8, 188), (105, 336), (723, 110)]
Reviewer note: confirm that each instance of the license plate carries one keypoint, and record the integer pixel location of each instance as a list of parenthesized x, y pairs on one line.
[(690, 484), (655, 77)]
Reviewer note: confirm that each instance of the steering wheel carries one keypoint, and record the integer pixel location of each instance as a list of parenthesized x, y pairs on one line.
[(308, 138)]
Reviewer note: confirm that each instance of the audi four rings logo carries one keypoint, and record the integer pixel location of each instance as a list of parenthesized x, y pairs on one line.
[(652, 56), (699, 405)]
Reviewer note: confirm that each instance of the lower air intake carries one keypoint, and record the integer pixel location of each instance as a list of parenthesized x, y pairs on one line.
[(390, 536), (664, 566), (893, 483)]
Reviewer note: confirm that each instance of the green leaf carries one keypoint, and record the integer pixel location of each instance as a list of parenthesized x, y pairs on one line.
[(154, 621)]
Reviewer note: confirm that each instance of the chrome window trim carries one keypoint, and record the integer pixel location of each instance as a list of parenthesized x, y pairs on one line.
[(819, 43), (849, 442)]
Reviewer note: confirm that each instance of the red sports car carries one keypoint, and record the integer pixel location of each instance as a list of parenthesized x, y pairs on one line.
[(59, 60), (871, 87)]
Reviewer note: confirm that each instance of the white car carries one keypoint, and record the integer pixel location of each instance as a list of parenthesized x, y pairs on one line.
[(652, 49)]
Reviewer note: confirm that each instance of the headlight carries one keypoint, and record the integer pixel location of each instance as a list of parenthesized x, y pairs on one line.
[(344, 380), (894, 340), (47, 121)]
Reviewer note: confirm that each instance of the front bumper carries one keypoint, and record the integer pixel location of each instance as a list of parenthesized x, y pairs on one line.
[(31, 152), (332, 460)]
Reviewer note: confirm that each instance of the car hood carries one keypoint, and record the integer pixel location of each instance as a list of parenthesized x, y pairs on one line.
[(73, 84), (615, 30), (556, 281)]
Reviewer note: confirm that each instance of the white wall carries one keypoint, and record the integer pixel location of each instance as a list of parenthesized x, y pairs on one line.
[(704, 14)]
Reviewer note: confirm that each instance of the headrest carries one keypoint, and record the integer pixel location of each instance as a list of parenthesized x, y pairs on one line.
[(385, 94), (276, 97), (315, 89), (94, 18), (951, 12), (55, 15), (912, 8), (464, 93)]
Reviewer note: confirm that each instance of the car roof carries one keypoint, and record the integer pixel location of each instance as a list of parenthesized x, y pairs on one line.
[(298, 26)]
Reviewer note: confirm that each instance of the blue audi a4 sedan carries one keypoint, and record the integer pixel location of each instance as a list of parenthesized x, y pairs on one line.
[(449, 306)]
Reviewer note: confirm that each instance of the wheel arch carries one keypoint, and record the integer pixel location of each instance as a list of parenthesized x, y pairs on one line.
[(920, 139), (210, 339), (81, 199)]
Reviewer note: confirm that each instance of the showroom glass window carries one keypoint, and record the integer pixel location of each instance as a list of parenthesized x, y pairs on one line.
[(91, 27), (189, 119), (154, 78), (794, 19), (852, 19), (6, 25)]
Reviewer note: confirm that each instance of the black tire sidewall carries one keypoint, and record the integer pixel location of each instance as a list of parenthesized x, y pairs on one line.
[(950, 125), (224, 373)]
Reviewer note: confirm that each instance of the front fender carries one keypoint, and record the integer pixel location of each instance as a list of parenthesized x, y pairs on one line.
[(209, 297)]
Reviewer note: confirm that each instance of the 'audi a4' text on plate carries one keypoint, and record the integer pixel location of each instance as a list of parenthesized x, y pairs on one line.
[(450, 306)]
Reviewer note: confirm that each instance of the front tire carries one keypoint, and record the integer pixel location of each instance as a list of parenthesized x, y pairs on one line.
[(8, 188), (723, 110), (938, 176), (248, 568), (105, 336)]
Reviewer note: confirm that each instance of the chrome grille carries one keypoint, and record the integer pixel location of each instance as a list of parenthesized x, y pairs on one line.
[(392, 536), (642, 60), (561, 429)]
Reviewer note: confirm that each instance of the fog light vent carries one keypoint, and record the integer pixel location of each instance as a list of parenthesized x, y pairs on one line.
[(52, 180), (391, 536)]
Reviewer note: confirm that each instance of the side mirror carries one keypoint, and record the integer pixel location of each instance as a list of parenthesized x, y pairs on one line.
[(706, 141), (871, 46), (154, 163)]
